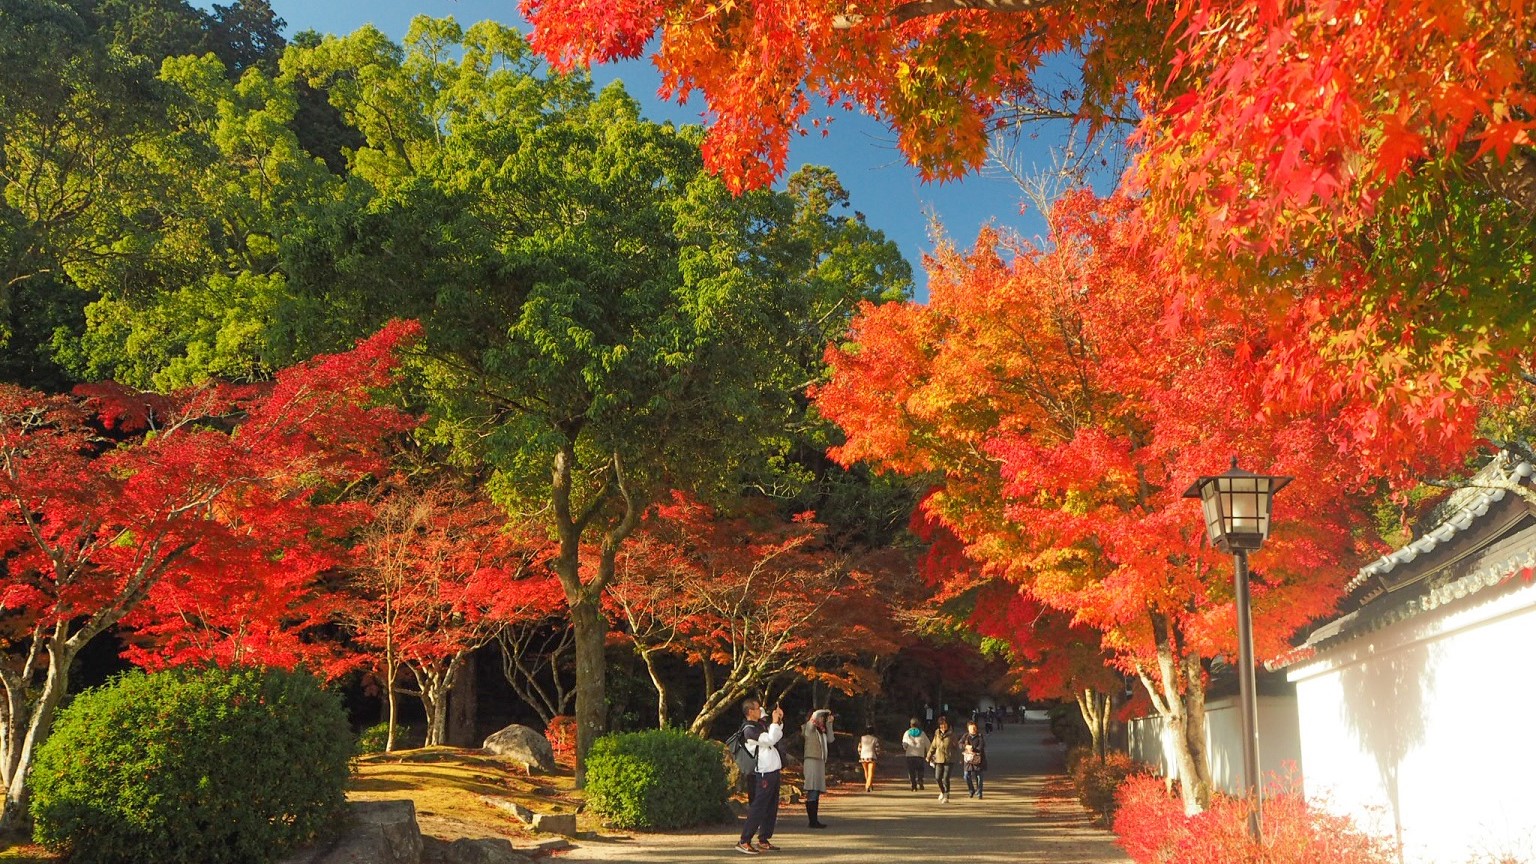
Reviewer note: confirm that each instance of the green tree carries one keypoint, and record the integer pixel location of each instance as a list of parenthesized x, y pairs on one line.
[(243, 35), (75, 117), (604, 319), (206, 292)]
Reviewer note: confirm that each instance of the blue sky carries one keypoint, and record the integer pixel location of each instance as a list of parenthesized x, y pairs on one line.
[(862, 152)]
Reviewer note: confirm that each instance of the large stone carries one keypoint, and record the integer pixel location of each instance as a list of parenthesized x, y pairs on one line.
[(481, 851), (555, 823), (375, 832), (521, 744), (542, 823)]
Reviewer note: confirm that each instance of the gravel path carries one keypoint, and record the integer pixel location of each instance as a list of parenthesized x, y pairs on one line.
[(1019, 822)]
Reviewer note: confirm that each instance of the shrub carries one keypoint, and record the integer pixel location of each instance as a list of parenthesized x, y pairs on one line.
[(1153, 830), (561, 734), (1145, 816), (1075, 757), (373, 739), (1096, 781), (658, 779), (201, 766)]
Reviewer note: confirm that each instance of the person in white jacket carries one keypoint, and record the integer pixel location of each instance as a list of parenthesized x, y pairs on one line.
[(763, 813), (914, 743)]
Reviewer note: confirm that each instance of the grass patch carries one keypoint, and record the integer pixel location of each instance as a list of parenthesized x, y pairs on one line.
[(450, 786)]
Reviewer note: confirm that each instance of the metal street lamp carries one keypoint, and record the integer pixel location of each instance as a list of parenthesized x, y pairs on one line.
[(1237, 518)]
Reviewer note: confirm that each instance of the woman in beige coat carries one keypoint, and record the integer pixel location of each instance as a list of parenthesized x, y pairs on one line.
[(818, 739), (941, 753)]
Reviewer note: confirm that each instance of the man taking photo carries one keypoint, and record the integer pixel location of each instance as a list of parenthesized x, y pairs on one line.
[(763, 813)]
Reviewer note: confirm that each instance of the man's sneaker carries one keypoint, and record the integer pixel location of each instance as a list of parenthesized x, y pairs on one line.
[(941, 797), (765, 846), (746, 848)]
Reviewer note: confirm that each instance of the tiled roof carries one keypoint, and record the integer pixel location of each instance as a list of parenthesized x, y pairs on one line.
[(1381, 607), (1487, 488)]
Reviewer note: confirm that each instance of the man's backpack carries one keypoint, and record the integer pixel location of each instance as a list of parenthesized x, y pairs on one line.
[(746, 762)]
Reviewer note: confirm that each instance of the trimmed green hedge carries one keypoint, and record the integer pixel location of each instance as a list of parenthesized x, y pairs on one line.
[(202, 766), (373, 739), (658, 779)]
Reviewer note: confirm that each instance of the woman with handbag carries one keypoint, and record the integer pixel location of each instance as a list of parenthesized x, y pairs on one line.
[(973, 754)]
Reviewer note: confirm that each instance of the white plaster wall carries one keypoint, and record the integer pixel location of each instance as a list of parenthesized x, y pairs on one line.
[(1144, 742), (1422, 730), (1279, 742)]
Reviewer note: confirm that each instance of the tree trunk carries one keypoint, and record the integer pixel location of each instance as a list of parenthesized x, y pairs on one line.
[(719, 697), (1194, 730), (436, 685), (17, 695), (584, 599), (1095, 708), (591, 633), (394, 711), (1182, 709), (662, 719), (463, 704), (428, 698), (391, 669), (437, 732), (16, 818)]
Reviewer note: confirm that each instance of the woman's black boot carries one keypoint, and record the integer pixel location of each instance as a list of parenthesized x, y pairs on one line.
[(810, 810)]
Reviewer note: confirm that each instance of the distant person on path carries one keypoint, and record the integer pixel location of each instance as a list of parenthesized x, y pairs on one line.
[(869, 751), (940, 754), (763, 813), (818, 739), (914, 743), (973, 753)]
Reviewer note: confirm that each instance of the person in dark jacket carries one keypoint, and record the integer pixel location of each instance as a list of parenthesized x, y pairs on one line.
[(973, 755)]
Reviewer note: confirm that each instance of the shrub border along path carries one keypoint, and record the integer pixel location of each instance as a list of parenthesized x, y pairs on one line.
[(1020, 821)]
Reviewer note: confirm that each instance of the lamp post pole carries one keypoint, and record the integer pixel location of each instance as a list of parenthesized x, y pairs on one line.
[(1237, 520), (1245, 693)]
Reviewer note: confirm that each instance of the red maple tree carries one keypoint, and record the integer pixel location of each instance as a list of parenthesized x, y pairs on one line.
[(1361, 169), (1067, 401), (1269, 111), (754, 601), (438, 574), (1050, 657), (202, 518)]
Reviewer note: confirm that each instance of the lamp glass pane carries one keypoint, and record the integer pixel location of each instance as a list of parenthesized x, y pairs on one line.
[(1245, 512), (1212, 512)]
